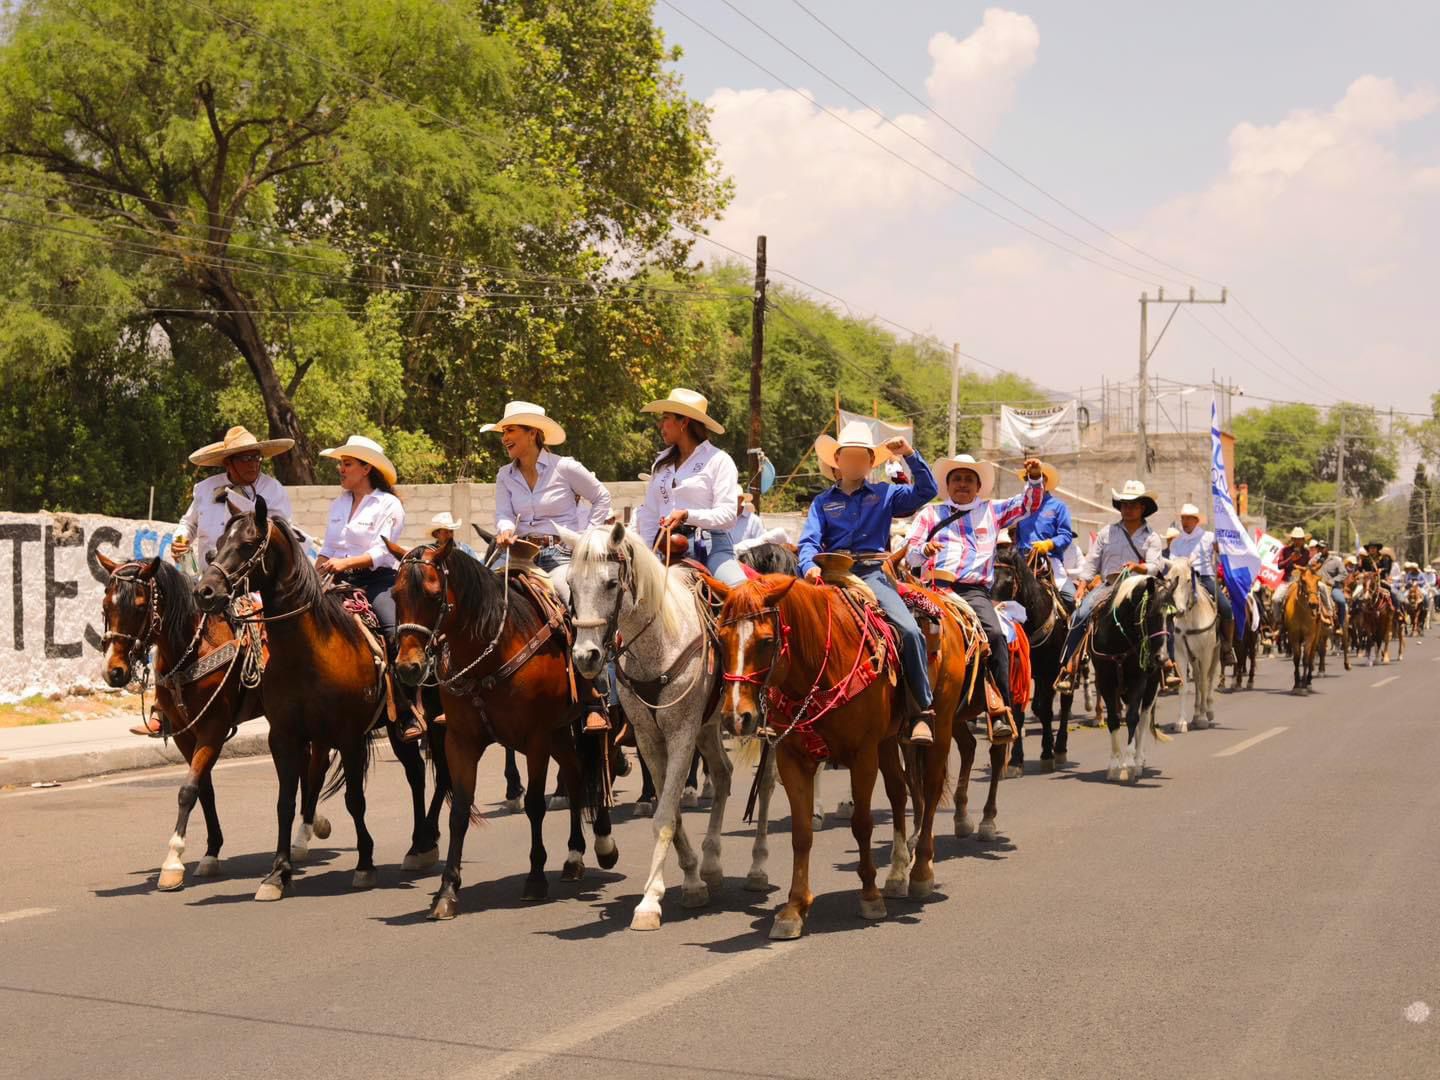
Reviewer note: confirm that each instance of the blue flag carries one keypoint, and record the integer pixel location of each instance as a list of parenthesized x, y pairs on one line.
[(1238, 557)]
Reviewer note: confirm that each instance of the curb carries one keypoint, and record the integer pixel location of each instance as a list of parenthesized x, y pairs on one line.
[(145, 754)]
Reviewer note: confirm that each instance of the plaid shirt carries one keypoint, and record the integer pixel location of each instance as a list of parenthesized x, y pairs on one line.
[(967, 544)]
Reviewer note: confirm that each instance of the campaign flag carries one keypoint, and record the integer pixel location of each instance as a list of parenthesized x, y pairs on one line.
[(1237, 551), (1269, 548)]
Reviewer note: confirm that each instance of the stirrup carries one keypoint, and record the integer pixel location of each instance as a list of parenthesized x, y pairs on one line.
[(920, 734), (146, 731), (411, 727), (596, 723), (1065, 683)]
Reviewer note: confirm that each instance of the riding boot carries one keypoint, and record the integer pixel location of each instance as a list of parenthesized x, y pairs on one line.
[(922, 731), (151, 728), (1170, 676), (593, 707)]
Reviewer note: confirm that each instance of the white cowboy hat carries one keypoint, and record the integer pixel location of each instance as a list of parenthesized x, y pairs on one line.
[(1171, 533), (1048, 471), (982, 469), (1412, 566), (1134, 491), (1297, 533), (1003, 537), (855, 433), (367, 450), (689, 404), (528, 414), (444, 520), (238, 440), (1190, 510), (1312, 543)]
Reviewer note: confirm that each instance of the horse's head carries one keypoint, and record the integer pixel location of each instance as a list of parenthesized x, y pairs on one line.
[(610, 576), (132, 615), (1008, 578), (1180, 579), (752, 642), (423, 602), (239, 563)]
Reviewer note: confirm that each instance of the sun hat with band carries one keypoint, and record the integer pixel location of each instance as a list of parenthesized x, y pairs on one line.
[(689, 404), (1190, 510), (1134, 491), (238, 440), (1048, 471), (857, 434), (528, 414), (367, 450), (444, 520), (984, 470)]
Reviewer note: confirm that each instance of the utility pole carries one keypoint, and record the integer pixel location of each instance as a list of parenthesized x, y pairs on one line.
[(954, 394), (1142, 434), (757, 360), (1339, 484)]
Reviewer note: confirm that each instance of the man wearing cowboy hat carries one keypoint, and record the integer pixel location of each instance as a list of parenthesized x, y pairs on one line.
[(1198, 545), (1125, 545), (1331, 569), (218, 497), (748, 527), (1049, 531), (960, 535), (854, 516)]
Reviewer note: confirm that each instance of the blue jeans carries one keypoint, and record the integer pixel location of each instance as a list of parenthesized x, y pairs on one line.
[(720, 559), (376, 585), (1338, 595), (913, 660), (1079, 621), (552, 557), (1219, 595)]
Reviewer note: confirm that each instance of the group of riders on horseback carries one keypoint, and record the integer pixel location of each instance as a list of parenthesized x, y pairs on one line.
[(858, 654)]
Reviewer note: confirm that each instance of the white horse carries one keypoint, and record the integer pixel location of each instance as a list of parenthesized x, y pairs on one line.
[(1197, 642), (620, 590)]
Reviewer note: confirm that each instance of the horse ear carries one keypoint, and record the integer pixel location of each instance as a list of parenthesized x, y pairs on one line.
[(617, 534), (776, 587), (110, 565), (262, 519), (572, 539), (148, 570), (395, 549), (715, 585)]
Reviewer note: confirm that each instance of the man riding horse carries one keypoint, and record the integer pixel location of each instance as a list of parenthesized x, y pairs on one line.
[(1049, 532), (1198, 545)]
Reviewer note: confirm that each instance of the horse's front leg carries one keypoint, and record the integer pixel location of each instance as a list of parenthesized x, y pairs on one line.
[(965, 740), (424, 851), (797, 773), (758, 879), (693, 890), (719, 773), (463, 762), (863, 769), (200, 759), (568, 768), (286, 754), (537, 764), (653, 751), (892, 771)]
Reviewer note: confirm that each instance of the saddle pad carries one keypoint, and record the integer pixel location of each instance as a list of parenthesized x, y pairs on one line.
[(358, 604), (919, 601)]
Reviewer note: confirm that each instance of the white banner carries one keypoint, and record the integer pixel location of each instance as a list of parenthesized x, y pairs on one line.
[(51, 625), (1054, 430)]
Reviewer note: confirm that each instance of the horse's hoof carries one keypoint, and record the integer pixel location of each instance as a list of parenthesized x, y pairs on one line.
[(817, 820), (363, 879), (698, 896), (714, 880), (444, 909), (785, 929), (845, 809), (1061, 758), (645, 920), (298, 852), (421, 860), (515, 805), (870, 910), (645, 808), (757, 881), (558, 802), (1112, 773), (1047, 764), (607, 853), (987, 829), (920, 889), (207, 867), (536, 889), (269, 891), (1013, 772), (321, 827), (895, 889), (689, 798), (1179, 727), (708, 790), (573, 870), (964, 826), (171, 878)]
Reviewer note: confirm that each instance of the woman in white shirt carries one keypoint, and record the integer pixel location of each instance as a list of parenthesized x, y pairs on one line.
[(694, 485), (362, 518), (540, 492)]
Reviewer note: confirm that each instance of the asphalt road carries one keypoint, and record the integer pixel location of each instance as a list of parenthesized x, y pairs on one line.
[(1262, 904)]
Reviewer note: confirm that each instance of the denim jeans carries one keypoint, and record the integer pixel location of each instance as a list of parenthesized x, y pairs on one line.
[(913, 660)]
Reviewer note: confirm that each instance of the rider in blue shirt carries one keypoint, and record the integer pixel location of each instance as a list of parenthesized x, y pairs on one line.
[(854, 516), (1049, 529)]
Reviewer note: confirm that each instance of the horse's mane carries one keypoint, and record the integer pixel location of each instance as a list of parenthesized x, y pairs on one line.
[(651, 581), (1031, 595), (306, 586), (479, 596), (768, 558), (178, 612)]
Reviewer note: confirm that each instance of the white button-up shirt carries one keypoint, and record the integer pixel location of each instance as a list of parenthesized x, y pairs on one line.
[(1111, 552), (748, 527), (560, 484), (380, 515), (1198, 547), (209, 511), (707, 484)]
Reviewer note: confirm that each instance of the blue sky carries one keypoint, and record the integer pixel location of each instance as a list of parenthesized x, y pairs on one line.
[(1322, 213)]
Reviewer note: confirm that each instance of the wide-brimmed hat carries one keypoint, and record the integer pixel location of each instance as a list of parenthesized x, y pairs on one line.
[(1048, 471), (983, 469), (444, 520), (689, 404), (528, 414), (1171, 533), (1297, 533), (1388, 550), (1134, 491), (1190, 510), (856, 433), (1349, 559), (238, 440), (1412, 566), (1003, 537), (1372, 543), (367, 450)]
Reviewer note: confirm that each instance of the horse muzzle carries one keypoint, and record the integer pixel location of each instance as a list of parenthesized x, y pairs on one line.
[(208, 598), (741, 723), (589, 660), (410, 671), (117, 674)]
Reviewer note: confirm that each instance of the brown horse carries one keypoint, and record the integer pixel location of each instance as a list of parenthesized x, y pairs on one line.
[(503, 672), (823, 677), (1302, 625), (199, 665), (1417, 606), (1376, 620), (325, 688)]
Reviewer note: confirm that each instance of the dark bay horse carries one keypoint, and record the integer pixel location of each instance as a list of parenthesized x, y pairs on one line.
[(325, 688), (1127, 645), (503, 673), (198, 685), (1046, 619)]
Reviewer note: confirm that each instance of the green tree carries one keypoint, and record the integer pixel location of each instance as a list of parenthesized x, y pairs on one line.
[(1418, 518)]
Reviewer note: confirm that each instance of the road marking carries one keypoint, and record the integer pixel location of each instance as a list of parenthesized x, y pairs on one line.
[(135, 777), (24, 913), (1252, 741), (628, 1012), (1435, 659), (1384, 682)]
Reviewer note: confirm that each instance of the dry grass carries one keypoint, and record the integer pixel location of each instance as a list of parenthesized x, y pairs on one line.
[(41, 709)]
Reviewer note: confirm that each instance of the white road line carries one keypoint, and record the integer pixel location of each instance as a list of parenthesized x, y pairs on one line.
[(24, 913), (1384, 682), (136, 777), (1254, 740), (1435, 659), (637, 1008)]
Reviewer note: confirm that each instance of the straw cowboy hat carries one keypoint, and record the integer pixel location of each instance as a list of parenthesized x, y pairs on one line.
[(982, 469), (367, 450), (1171, 533), (444, 520), (1297, 533), (1190, 510), (1134, 491), (1048, 471), (238, 440), (1388, 550), (855, 433), (528, 414), (689, 404)]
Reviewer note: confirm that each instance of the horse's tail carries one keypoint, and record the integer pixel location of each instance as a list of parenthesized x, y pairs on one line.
[(335, 782), (593, 752)]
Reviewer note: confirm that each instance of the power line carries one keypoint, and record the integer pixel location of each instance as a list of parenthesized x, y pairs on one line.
[(1241, 305)]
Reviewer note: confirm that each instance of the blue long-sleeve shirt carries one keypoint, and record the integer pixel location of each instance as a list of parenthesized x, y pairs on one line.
[(1050, 522), (860, 521)]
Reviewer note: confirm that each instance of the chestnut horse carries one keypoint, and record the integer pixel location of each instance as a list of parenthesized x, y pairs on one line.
[(1376, 619), (822, 676), (198, 669), (503, 675), (1417, 607), (1302, 625), (324, 687)]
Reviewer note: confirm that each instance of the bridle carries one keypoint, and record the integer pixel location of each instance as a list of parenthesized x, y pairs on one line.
[(610, 625), (761, 677), (138, 653), (1142, 644), (436, 650)]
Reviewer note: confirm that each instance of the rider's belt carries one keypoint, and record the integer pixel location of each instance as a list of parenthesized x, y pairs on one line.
[(870, 556), (542, 540)]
